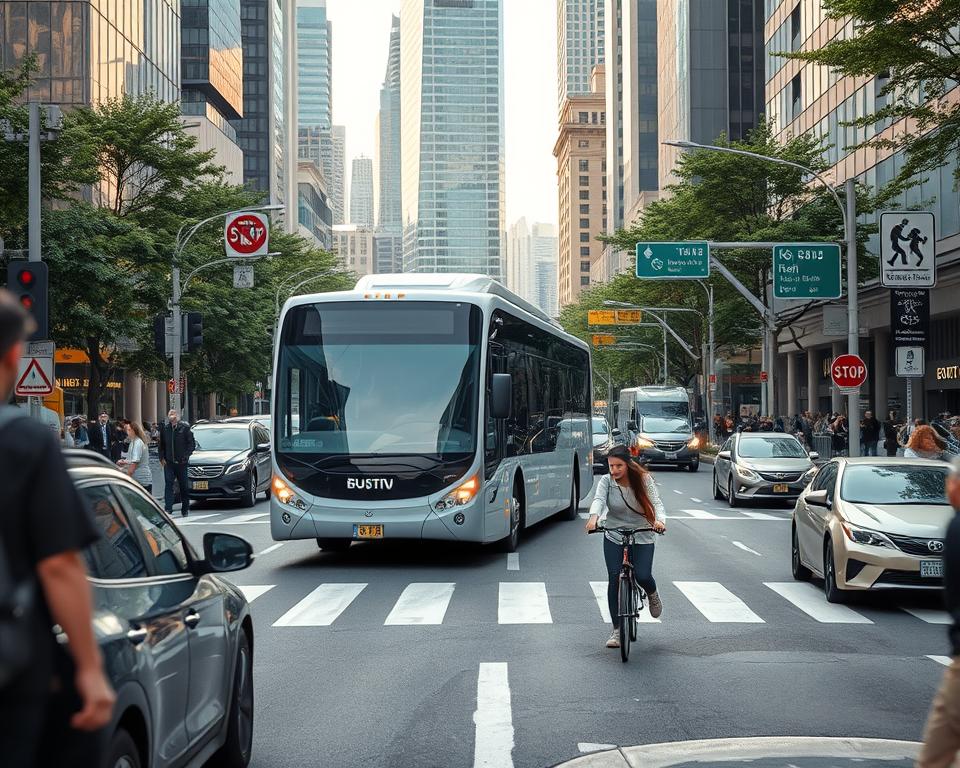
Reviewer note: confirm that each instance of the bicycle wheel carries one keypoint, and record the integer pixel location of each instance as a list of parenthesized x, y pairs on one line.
[(634, 614), (623, 604)]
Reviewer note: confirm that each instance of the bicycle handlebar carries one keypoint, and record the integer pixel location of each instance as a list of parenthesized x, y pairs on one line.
[(626, 531)]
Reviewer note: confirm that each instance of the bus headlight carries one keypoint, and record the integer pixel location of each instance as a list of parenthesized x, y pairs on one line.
[(285, 495), (462, 494)]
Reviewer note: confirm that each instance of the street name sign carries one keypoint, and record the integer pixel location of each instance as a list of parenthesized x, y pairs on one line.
[(246, 234), (673, 261), (601, 317), (910, 362), (603, 340), (806, 271), (35, 372), (848, 372), (629, 316), (908, 241), (834, 320)]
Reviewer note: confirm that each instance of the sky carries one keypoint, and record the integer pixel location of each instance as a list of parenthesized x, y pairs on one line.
[(361, 34)]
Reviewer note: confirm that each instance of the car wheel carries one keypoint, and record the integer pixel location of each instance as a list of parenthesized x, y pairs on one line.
[(830, 588), (123, 751), (717, 493), (570, 513), (334, 545), (800, 571), (249, 498), (512, 541), (732, 495), (236, 750), (693, 467)]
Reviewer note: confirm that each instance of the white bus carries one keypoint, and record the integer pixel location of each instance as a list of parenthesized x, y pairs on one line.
[(425, 406)]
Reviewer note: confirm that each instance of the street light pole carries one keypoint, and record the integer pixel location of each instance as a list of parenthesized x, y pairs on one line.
[(33, 183)]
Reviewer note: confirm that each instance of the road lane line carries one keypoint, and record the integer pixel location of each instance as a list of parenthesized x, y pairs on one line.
[(945, 660), (679, 493), (513, 561), (270, 549), (321, 607), (695, 500), (421, 603), (811, 601), (762, 516), (493, 742), (240, 519), (523, 602), (193, 518), (253, 591), (717, 603), (700, 514), (585, 747), (930, 615), (745, 548)]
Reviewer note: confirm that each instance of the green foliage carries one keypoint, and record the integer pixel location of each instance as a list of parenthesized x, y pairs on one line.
[(914, 46)]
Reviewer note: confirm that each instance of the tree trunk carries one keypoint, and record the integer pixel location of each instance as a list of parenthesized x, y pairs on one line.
[(98, 378)]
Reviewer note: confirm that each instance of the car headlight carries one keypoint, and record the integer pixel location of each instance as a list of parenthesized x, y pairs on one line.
[(243, 466), (866, 536), (747, 474), (694, 443), (643, 442), (285, 495), (462, 494)]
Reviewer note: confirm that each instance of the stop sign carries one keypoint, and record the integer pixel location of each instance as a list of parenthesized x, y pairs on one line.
[(245, 234), (848, 372)]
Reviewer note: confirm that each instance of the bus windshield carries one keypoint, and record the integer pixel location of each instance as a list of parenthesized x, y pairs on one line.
[(379, 379)]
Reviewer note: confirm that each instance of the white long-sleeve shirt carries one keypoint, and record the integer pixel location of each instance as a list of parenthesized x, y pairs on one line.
[(612, 503)]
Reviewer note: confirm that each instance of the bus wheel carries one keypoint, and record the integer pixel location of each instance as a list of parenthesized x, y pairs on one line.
[(512, 542), (570, 513)]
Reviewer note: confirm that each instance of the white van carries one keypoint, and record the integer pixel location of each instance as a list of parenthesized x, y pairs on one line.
[(657, 421)]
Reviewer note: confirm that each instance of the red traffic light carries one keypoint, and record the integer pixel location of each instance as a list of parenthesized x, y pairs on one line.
[(26, 278), (27, 302)]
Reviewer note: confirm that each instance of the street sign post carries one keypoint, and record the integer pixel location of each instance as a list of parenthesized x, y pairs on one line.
[(908, 249), (910, 362), (909, 316), (35, 372), (673, 261), (806, 271), (614, 317), (848, 372), (246, 234), (603, 340), (243, 276)]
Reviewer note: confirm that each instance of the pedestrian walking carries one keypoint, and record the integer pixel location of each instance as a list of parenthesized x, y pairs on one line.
[(869, 434), (924, 443), (103, 436), (81, 438), (941, 736), (54, 698), (137, 462), (890, 434), (176, 445)]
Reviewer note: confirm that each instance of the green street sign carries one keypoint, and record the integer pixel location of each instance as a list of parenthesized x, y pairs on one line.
[(806, 271), (673, 261)]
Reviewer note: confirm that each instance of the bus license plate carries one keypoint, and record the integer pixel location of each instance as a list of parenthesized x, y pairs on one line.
[(781, 488), (368, 531), (200, 485), (932, 569)]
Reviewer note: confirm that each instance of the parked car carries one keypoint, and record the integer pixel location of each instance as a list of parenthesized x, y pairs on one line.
[(604, 439), (177, 640), (869, 523), (232, 460), (666, 440), (761, 465), (263, 418)]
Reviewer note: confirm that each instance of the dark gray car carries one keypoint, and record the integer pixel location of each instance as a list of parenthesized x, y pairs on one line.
[(231, 461), (177, 640), (668, 440)]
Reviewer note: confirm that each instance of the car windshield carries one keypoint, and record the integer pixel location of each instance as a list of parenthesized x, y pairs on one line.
[(894, 484), (770, 448), (221, 438), (655, 424), (674, 409), (600, 427)]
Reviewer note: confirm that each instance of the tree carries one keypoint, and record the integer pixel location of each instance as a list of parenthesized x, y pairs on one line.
[(913, 48)]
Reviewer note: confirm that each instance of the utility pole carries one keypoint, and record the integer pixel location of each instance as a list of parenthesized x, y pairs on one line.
[(33, 183), (853, 319)]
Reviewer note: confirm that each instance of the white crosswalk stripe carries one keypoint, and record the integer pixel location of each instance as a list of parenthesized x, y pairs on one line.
[(321, 607), (717, 603), (811, 601), (523, 602), (700, 514), (253, 591), (945, 660), (424, 603), (930, 615), (762, 515), (599, 589)]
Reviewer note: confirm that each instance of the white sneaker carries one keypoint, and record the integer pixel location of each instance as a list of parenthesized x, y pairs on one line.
[(656, 607), (614, 641)]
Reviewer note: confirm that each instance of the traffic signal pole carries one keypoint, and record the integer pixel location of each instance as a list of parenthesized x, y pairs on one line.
[(33, 191), (177, 340)]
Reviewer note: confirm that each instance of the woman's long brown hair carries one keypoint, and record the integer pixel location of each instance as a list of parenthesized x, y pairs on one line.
[(636, 476)]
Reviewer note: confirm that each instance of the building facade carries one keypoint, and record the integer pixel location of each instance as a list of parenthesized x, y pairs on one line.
[(314, 65), (581, 175), (314, 216), (519, 276), (361, 192), (452, 173), (337, 177), (387, 253), (354, 246), (388, 140), (580, 45)]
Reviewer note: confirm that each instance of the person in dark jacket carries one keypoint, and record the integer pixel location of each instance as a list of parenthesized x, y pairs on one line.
[(941, 737), (869, 434), (103, 436), (176, 445), (890, 434)]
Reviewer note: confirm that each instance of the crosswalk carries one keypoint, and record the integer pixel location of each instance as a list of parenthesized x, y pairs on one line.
[(530, 603)]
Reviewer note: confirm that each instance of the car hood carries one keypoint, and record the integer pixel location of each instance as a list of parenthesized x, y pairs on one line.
[(667, 437), (776, 465), (218, 457), (918, 520)]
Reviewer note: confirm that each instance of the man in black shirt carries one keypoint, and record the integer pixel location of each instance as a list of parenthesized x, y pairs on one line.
[(869, 434), (51, 709), (103, 436), (176, 445)]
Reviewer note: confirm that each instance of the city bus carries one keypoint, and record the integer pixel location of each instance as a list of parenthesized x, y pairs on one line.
[(425, 406)]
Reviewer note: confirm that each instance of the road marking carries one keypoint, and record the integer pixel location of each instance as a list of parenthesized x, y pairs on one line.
[(421, 603), (321, 607), (679, 493), (745, 548), (700, 514), (762, 516), (241, 519), (513, 561), (195, 518), (717, 603), (493, 742), (600, 595), (585, 747), (930, 615), (695, 500), (253, 591), (270, 549), (811, 601), (523, 602), (945, 660)]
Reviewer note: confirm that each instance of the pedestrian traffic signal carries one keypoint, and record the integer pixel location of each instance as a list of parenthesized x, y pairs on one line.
[(160, 334), (194, 331), (27, 280)]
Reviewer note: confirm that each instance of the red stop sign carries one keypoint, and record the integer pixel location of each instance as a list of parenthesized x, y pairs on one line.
[(848, 371), (246, 235)]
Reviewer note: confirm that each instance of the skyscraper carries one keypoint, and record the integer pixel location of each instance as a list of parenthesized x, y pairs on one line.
[(532, 263), (361, 192), (451, 140), (314, 65), (337, 177), (580, 45), (388, 140)]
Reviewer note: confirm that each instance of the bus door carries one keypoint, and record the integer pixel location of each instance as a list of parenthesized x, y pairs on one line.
[(494, 443)]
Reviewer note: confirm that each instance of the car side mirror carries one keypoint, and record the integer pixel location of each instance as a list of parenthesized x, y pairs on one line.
[(616, 432), (501, 395), (263, 447), (632, 426), (224, 552), (813, 455), (818, 498), (724, 455)]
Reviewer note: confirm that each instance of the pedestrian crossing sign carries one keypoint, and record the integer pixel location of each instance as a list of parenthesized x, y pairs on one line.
[(35, 375), (908, 249)]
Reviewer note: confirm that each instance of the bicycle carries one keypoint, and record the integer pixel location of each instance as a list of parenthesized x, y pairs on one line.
[(630, 596)]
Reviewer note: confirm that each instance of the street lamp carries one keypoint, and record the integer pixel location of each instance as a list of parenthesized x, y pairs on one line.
[(289, 278), (849, 216)]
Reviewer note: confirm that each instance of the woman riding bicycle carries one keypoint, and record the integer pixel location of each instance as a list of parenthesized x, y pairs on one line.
[(628, 498)]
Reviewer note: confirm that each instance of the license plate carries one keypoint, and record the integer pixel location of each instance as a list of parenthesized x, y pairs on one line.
[(932, 569), (368, 531), (670, 456), (781, 488), (200, 485)]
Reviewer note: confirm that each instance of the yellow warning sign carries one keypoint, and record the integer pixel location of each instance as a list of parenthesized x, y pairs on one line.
[(629, 316), (603, 340), (601, 317)]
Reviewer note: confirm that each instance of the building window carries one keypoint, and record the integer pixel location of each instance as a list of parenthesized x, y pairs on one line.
[(584, 266), (585, 251), (584, 237), (795, 29), (584, 181), (584, 194), (584, 223), (583, 143), (585, 209), (584, 280), (796, 95), (583, 117), (584, 166)]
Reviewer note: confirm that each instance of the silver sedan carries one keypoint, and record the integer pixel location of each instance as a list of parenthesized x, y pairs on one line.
[(761, 465)]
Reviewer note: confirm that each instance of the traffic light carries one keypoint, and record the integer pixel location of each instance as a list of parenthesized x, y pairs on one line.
[(27, 280), (194, 331), (160, 334)]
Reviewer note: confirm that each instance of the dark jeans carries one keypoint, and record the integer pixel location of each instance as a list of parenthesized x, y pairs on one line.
[(641, 556), (176, 470), (869, 448)]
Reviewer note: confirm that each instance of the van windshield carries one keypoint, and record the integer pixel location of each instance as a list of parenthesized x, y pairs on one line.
[(668, 409)]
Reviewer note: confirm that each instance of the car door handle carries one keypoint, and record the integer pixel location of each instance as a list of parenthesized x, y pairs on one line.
[(137, 635), (191, 619)]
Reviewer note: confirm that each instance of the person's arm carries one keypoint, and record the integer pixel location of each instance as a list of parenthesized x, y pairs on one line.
[(63, 579), (162, 446), (191, 442), (659, 509), (598, 507)]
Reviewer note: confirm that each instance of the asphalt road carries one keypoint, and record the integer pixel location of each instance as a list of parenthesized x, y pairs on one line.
[(400, 654)]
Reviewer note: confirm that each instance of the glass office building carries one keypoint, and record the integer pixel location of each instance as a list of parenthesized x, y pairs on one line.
[(314, 64), (388, 138), (452, 136)]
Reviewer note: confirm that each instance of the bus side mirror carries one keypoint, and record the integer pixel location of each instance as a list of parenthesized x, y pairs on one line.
[(501, 395)]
